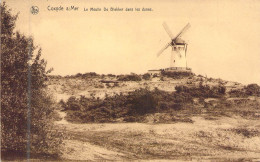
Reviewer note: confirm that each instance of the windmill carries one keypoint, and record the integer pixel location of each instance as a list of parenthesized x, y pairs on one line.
[(179, 48)]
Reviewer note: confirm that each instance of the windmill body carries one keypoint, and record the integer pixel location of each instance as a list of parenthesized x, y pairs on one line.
[(178, 59)]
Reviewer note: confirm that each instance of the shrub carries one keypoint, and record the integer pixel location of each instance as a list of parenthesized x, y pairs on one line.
[(252, 90), (131, 107), (131, 77), (62, 103), (84, 76), (111, 75), (27, 110), (221, 90), (130, 119), (249, 90), (142, 101), (146, 76), (90, 75), (135, 103), (108, 85), (72, 104), (177, 74), (202, 91), (155, 75), (116, 84), (78, 75), (237, 93)]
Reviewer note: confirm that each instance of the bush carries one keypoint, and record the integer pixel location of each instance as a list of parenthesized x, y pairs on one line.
[(90, 75), (111, 75), (177, 74), (252, 90), (136, 104), (27, 110), (131, 107), (83, 76), (110, 108), (72, 104), (62, 103), (142, 101), (78, 75), (108, 85), (237, 93), (146, 76), (131, 77), (202, 91), (116, 84), (221, 90), (249, 90)]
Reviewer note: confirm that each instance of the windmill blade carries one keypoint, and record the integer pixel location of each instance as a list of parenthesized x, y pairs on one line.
[(168, 30), (183, 31), (164, 48)]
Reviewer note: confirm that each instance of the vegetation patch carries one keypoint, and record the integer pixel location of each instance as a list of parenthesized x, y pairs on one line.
[(146, 76), (246, 132), (131, 77), (249, 90), (177, 74), (136, 105), (27, 110)]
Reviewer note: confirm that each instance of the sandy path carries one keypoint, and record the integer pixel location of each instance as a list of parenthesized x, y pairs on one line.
[(78, 150), (212, 139)]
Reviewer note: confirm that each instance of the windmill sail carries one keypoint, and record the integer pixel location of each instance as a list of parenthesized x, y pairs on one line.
[(164, 48), (168, 31), (182, 31)]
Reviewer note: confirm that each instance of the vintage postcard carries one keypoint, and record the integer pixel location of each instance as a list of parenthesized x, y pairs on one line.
[(119, 80)]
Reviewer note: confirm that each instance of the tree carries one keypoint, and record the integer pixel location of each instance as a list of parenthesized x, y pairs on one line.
[(26, 108)]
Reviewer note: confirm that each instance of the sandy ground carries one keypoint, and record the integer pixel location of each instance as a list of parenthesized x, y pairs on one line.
[(64, 88), (78, 150), (201, 140), (212, 139)]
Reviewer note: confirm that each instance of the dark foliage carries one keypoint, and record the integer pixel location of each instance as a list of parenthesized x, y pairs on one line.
[(248, 133), (90, 75), (177, 74), (72, 104), (202, 91), (142, 101), (135, 105), (111, 75), (131, 77), (54, 77), (26, 109), (146, 76), (252, 90), (84, 76), (249, 90), (237, 93)]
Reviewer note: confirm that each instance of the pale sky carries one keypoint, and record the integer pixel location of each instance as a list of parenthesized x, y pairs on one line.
[(224, 38)]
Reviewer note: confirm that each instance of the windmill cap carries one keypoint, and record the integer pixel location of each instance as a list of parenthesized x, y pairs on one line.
[(179, 41)]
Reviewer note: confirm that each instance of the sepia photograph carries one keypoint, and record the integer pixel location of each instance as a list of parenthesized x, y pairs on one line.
[(119, 80)]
